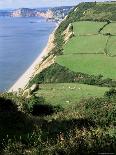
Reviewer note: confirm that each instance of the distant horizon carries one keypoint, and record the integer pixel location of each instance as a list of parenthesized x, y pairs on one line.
[(37, 7), (16, 4)]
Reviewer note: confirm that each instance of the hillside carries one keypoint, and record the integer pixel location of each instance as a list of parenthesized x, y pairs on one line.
[(68, 108)]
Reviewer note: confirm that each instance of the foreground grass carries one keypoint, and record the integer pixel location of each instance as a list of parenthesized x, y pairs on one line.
[(68, 94), (88, 127)]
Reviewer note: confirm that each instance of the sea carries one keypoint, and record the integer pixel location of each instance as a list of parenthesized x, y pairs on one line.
[(21, 41)]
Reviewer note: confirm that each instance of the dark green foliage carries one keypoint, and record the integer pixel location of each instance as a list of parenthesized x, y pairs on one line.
[(59, 74), (101, 110), (111, 93), (65, 131), (37, 107), (13, 122), (54, 73), (6, 105)]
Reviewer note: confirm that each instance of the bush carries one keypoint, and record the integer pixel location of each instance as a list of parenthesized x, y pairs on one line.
[(60, 74), (101, 110), (37, 107), (7, 105), (111, 93), (13, 122)]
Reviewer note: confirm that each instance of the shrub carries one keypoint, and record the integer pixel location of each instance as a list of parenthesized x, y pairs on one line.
[(13, 122), (60, 74), (111, 93), (37, 107), (101, 110)]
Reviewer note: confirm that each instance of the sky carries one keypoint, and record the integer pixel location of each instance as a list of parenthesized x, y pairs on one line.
[(39, 3)]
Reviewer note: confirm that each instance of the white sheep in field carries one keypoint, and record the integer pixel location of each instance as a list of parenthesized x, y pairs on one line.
[(67, 101), (72, 88)]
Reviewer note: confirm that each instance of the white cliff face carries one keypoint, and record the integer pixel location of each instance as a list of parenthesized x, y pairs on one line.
[(31, 13), (68, 33), (48, 15)]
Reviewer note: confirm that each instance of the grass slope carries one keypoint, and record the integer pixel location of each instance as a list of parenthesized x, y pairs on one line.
[(91, 64), (111, 28), (91, 53), (87, 27), (111, 46), (86, 44), (68, 94)]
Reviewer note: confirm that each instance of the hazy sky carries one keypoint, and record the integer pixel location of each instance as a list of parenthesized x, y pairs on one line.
[(38, 3)]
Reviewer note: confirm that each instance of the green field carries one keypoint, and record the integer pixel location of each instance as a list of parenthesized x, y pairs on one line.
[(88, 54), (90, 63), (67, 94), (111, 28), (87, 27), (111, 47), (86, 44)]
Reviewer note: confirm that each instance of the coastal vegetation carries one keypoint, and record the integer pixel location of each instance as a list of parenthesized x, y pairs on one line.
[(86, 126), (73, 111)]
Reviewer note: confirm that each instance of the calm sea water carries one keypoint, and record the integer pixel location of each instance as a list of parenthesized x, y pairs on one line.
[(21, 40)]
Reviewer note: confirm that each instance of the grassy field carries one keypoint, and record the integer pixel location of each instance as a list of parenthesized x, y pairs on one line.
[(111, 28), (87, 27), (111, 47), (86, 54), (90, 63), (68, 94), (86, 44)]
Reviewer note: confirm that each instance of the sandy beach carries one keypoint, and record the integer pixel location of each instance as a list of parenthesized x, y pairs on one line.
[(24, 79)]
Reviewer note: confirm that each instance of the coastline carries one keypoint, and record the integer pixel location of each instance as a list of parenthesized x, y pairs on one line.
[(23, 80)]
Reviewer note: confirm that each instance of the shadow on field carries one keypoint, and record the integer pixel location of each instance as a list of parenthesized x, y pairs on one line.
[(45, 109)]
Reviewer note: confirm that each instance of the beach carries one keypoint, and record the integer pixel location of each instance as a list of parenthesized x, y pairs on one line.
[(22, 82)]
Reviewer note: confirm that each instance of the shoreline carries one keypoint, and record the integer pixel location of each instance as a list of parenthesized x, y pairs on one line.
[(23, 80)]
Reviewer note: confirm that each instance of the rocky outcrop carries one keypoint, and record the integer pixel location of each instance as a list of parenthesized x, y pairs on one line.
[(68, 33), (48, 15), (28, 92)]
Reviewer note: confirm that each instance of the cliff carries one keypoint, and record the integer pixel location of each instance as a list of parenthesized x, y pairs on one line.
[(48, 13), (25, 12)]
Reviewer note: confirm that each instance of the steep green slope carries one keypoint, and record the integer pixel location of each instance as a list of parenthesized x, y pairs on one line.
[(94, 11)]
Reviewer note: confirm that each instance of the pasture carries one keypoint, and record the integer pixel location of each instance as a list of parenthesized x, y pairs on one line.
[(111, 28), (68, 94), (93, 64), (111, 47), (87, 27), (86, 44), (92, 54)]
